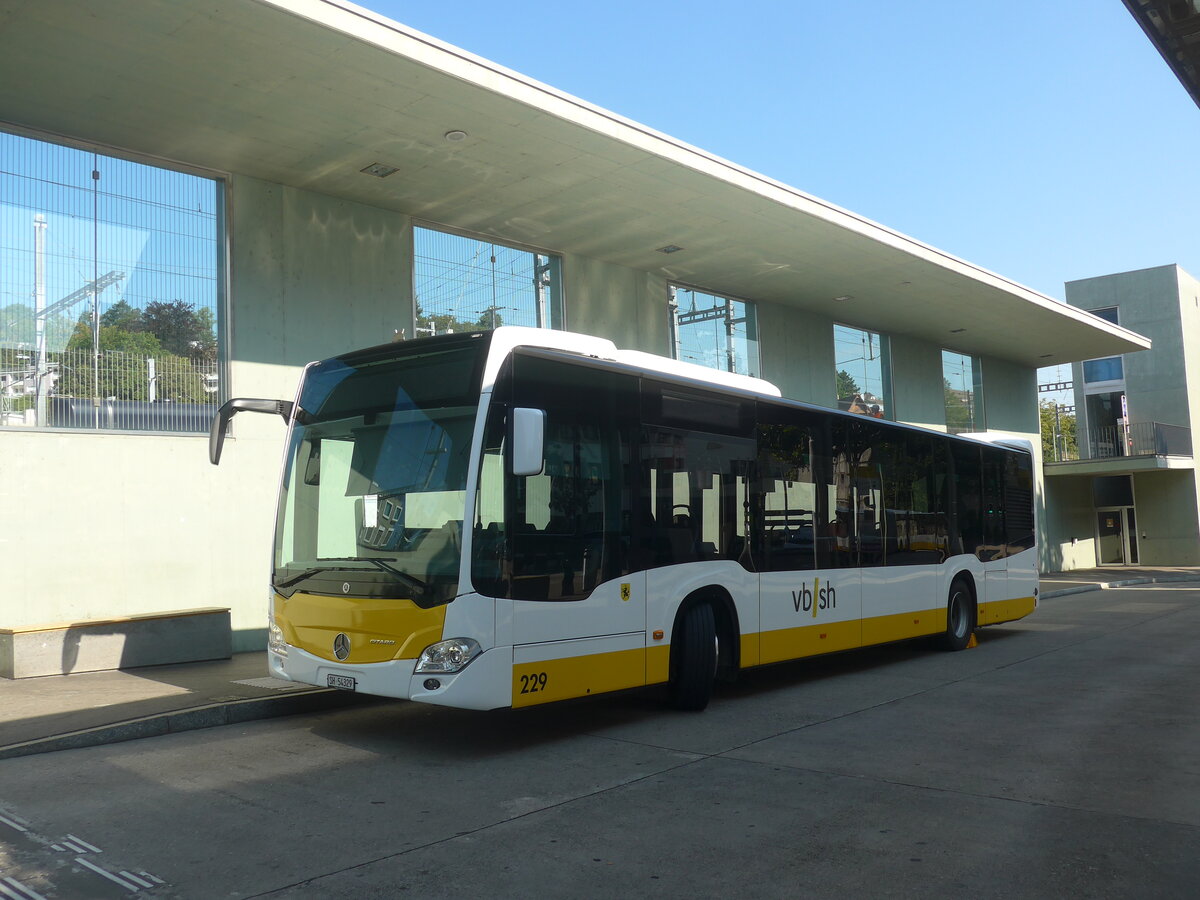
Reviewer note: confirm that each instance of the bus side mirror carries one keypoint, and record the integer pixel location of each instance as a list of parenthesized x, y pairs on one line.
[(528, 440), (220, 422)]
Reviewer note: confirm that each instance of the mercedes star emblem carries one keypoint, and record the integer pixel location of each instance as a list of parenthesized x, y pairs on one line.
[(341, 646)]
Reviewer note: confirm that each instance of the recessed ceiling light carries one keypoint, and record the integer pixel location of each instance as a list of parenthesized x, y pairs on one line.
[(670, 248), (379, 170), (842, 299), (455, 136), (957, 330), (1045, 356)]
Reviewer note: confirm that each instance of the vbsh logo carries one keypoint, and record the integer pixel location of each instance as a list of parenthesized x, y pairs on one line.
[(810, 600)]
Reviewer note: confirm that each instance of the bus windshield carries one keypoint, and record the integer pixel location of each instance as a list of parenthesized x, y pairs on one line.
[(374, 488)]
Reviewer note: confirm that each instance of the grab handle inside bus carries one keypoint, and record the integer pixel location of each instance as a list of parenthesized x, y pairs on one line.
[(220, 422), (528, 435)]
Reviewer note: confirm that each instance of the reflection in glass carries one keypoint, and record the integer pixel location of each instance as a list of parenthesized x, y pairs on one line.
[(717, 332), (466, 284), (961, 381), (863, 371)]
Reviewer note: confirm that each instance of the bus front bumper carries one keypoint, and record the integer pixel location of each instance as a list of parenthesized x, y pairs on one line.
[(485, 683)]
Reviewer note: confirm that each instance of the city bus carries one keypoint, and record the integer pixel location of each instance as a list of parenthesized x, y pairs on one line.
[(523, 515)]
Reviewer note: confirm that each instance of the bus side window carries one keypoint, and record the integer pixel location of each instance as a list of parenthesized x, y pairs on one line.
[(567, 527), (995, 535), (696, 486)]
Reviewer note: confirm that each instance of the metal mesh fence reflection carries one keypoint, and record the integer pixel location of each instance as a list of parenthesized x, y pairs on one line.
[(136, 393), (109, 290), (465, 284)]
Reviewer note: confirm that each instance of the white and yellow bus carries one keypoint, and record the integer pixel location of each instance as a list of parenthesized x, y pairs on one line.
[(522, 516)]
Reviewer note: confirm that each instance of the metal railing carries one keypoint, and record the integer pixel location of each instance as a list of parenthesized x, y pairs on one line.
[(135, 393), (1140, 439)]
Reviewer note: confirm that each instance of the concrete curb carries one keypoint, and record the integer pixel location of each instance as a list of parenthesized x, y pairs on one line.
[(1105, 585), (208, 716)]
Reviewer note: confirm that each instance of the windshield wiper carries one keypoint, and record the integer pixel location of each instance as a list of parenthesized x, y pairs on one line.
[(417, 586)]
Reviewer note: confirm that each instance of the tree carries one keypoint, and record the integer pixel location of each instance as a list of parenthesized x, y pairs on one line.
[(958, 409), (440, 323), (122, 315), (180, 328), (1059, 439), (846, 385)]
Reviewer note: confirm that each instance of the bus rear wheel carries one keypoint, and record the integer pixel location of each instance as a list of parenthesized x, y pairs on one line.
[(695, 652), (960, 616)]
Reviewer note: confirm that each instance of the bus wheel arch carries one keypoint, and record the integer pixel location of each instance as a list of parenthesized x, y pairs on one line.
[(704, 644), (962, 613)]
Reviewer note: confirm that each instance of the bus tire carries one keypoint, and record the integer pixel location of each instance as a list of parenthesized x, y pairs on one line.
[(695, 652), (960, 616)]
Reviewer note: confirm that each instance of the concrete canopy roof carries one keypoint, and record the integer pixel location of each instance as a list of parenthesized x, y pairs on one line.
[(309, 92)]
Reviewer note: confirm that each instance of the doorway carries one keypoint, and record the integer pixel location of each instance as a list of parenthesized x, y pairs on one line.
[(1116, 536)]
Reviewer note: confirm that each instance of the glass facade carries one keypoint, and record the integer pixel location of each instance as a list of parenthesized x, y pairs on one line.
[(472, 284), (862, 363), (111, 289), (714, 331), (962, 381)]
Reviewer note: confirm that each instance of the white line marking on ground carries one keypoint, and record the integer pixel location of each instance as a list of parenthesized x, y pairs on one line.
[(26, 892), (83, 843), (143, 882), (116, 879), (11, 824)]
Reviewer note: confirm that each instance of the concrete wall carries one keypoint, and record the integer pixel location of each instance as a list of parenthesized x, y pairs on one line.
[(917, 383), (1168, 532), (1148, 304), (1069, 524), (1162, 303), (103, 525)]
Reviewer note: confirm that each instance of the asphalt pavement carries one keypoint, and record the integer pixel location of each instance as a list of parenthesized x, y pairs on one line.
[(58, 712)]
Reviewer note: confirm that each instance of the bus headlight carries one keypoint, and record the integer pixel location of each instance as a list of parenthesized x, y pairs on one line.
[(275, 641), (448, 657)]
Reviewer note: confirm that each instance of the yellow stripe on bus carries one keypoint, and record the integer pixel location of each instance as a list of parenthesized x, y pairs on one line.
[(808, 640), (1006, 610), (581, 676), (577, 676), (899, 627)]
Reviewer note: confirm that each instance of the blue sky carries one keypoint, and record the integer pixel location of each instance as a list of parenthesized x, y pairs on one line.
[(1044, 141)]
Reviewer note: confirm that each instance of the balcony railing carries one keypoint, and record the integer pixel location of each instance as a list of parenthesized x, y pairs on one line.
[(1140, 439)]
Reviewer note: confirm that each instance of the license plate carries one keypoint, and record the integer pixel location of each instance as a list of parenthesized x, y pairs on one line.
[(341, 682)]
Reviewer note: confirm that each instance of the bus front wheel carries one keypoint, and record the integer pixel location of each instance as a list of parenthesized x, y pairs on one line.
[(695, 652), (960, 616)]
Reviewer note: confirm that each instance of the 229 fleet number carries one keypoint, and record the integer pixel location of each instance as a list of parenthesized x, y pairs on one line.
[(533, 683)]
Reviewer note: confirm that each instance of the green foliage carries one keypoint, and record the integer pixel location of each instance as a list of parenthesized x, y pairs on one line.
[(17, 327), (958, 413), (444, 323), (168, 339), (846, 385), (1059, 438), (122, 315), (181, 329)]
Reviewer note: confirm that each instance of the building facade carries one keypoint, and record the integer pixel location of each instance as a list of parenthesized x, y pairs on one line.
[(1129, 496), (178, 232)]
